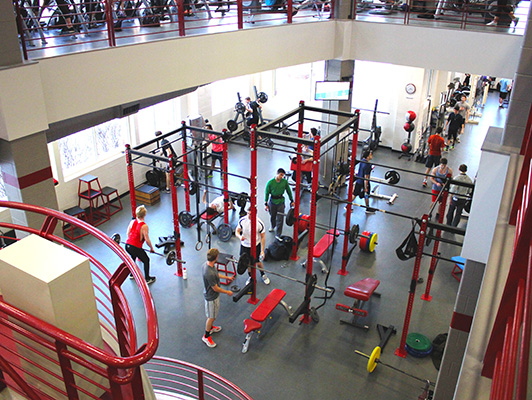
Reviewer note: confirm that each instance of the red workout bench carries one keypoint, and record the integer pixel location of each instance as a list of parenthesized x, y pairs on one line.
[(323, 244), (209, 218), (262, 312), (361, 291)]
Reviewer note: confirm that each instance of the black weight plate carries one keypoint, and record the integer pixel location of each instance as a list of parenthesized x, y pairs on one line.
[(290, 217), (152, 178), (314, 315), (243, 263), (193, 188), (116, 237), (232, 125), (262, 97), (240, 107), (225, 232), (170, 258), (392, 177), (242, 199), (353, 233), (185, 219)]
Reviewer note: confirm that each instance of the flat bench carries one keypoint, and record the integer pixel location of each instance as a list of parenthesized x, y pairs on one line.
[(361, 291), (263, 311), (321, 247)]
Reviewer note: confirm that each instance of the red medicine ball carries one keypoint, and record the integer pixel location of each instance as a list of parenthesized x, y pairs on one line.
[(410, 116), (406, 147)]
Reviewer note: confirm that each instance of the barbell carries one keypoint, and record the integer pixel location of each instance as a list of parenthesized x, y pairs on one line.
[(374, 359), (170, 257), (244, 262), (367, 242)]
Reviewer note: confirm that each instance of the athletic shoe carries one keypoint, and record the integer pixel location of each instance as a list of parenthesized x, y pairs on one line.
[(265, 279), (516, 21), (216, 329), (457, 140), (150, 280), (492, 23), (370, 211), (452, 147), (210, 176), (208, 341), (271, 229), (424, 183), (446, 148)]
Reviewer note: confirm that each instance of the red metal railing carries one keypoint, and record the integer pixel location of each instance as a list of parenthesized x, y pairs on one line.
[(33, 348), (507, 355)]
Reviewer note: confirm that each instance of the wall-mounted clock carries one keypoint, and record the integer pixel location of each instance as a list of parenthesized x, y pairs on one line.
[(410, 88)]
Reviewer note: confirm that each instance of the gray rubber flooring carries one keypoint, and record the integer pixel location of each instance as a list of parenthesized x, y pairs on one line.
[(316, 360)]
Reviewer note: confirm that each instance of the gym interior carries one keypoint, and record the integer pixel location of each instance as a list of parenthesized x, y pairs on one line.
[(315, 358)]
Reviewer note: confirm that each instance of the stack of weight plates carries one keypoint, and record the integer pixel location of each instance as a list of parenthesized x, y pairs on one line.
[(418, 345)]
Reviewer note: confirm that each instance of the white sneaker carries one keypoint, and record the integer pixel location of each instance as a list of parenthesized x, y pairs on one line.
[(208, 341), (265, 279), (271, 229), (492, 23)]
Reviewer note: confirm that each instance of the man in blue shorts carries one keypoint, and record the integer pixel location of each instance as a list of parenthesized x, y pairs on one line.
[(362, 185)]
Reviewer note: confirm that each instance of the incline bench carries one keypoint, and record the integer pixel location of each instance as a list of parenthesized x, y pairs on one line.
[(361, 291), (262, 312), (323, 244)]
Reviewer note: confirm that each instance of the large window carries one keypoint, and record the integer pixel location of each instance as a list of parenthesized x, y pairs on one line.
[(223, 93), (164, 117), (297, 82), (85, 148)]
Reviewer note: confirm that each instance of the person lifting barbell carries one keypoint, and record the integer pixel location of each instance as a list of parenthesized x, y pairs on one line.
[(137, 234), (170, 257)]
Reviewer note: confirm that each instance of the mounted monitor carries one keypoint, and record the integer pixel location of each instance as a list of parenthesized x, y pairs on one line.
[(332, 90)]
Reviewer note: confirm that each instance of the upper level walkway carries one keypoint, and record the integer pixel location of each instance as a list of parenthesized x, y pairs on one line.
[(46, 33)]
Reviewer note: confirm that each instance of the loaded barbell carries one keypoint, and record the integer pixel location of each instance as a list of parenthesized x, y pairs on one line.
[(367, 241), (170, 257), (244, 262)]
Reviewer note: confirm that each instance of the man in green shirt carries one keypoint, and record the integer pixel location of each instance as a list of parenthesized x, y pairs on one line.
[(274, 201)]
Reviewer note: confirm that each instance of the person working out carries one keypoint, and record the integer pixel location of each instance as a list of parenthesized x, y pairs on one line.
[(503, 91), (436, 145), (137, 234), (211, 293), (362, 185), (217, 149), (456, 123), (168, 151), (460, 196), (253, 111), (274, 201), (243, 232), (216, 206), (465, 110), (439, 175)]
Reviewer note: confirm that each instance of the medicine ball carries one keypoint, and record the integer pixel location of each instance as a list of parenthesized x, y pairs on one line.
[(410, 116), (409, 126), (406, 147)]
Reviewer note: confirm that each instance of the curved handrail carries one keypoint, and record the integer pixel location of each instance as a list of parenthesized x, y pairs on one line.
[(28, 391), (146, 351)]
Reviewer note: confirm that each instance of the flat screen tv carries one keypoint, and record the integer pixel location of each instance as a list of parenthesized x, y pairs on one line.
[(332, 90)]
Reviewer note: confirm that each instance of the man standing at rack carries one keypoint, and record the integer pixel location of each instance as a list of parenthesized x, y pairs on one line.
[(362, 185), (137, 234), (211, 293), (436, 145), (460, 196), (274, 201), (248, 239)]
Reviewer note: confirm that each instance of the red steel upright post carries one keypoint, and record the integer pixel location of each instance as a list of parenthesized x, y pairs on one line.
[(343, 270), (253, 200), (240, 13), (181, 17), (131, 181), (175, 214), (434, 261), (225, 181), (401, 351), (297, 190), (289, 13), (185, 167), (312, 225)]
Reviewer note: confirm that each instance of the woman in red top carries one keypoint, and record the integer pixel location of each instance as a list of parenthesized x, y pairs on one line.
[(137, 233), (217, 148)]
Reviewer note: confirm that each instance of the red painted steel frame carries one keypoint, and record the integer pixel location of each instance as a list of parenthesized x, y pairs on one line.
[(185, 167), (401, 351), (175, 213), (225, 180), (253, 200), (434, 261), (343, 270), (297, 190), (131, 180)]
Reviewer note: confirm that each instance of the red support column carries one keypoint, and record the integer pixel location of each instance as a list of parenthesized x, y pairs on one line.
[(181, 19), (240, 14), (297, 190), (175, 214), (253, 200), (131, 181), (434, 261), (225, 181), (289, 13), (343, 270), (185, 167), (312, 226), (401, 351)]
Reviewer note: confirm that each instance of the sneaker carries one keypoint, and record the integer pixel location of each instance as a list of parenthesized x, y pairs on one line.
[(370, 211), (265, 279), (150, 280), (208, 341), (210, 176), (167, 190), (516, 21), (424, 183), (131, 276), (452, 147), (457, 140), (446, 148), (492, 23), (216, 329), (248, 280), (271, 229)]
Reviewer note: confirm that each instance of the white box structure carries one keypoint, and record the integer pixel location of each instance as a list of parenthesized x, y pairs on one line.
[(52, 283)]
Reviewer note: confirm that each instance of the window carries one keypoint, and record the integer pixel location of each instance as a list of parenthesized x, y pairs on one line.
[(223, 93), (93, 145), (162, 117)]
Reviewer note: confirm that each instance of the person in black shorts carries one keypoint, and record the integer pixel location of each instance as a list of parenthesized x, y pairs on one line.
[(362, 184), (436, 144), (455, 122)]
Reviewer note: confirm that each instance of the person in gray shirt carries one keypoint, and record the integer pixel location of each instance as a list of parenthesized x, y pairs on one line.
[(211, 292), (461, 194)]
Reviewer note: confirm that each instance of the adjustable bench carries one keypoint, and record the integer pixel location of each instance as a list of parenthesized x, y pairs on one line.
[(208, 218), (262, 312), (323, 244), (361, 291)]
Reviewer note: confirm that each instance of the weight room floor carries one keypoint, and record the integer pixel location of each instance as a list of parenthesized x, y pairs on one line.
[(314, 361)]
